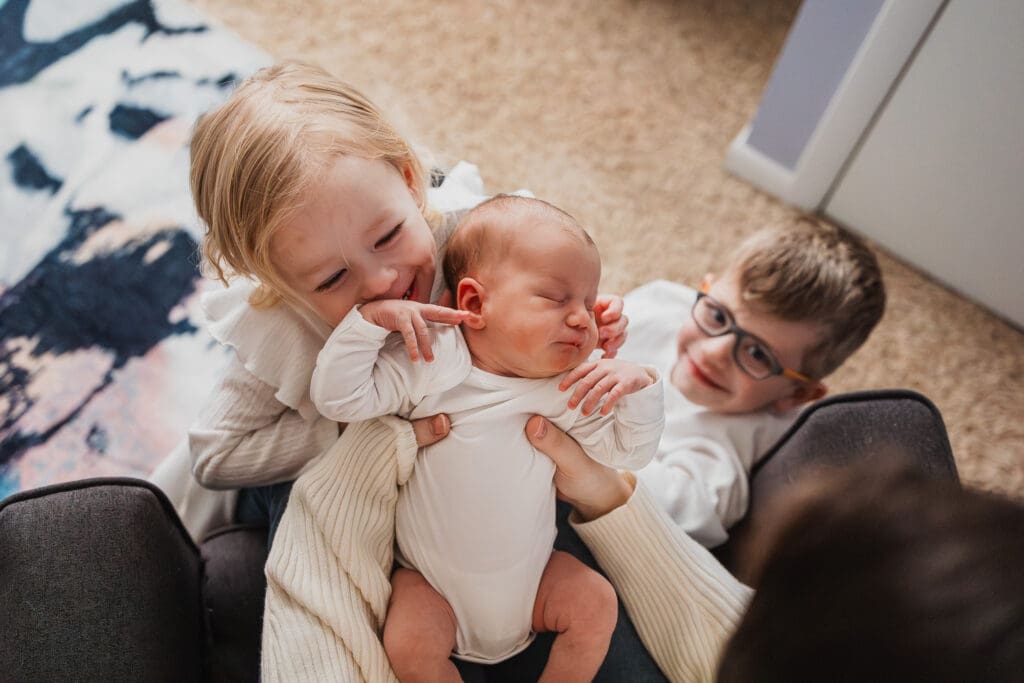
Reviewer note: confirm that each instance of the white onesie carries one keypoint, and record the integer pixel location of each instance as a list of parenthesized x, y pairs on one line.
[(477, 516)]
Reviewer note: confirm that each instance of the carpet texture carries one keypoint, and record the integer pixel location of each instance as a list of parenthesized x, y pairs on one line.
[(620, 112)]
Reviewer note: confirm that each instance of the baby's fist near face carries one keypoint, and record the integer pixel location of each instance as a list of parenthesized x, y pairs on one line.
[(611, 323)]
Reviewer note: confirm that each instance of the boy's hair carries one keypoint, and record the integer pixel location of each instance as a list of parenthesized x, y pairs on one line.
[(885, 575), (254, 156), (487, 233), (811, 271)]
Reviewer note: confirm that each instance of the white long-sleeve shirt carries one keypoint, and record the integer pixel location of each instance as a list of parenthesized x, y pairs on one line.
[(476, 517), (700, 473)]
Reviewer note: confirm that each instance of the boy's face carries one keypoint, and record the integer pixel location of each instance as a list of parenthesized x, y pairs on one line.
[(707, 374), (539, 307), (357, 236)]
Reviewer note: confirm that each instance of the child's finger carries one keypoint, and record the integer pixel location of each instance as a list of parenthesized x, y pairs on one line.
[(613, 329), (409, 337), (612, 333), (612, 397), (440, 314), (423, 338), (584, 387), (612, 336), (612, 345), (608, 308), (599, 392), (579, 371)]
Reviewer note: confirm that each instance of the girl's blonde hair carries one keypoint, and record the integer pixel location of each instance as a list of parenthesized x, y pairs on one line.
[(253, 157)]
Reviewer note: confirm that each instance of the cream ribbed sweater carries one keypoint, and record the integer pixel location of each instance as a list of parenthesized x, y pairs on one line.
[(328, 570), (683, 602)]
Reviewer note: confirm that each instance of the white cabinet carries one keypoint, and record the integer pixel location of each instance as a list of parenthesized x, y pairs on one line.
[(921, 144), (938, 179)]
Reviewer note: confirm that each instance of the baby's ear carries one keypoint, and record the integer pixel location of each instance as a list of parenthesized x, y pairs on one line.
[(470, 296), (804, 393)]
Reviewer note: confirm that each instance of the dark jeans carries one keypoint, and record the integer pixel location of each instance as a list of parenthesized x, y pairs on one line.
[(627, 659), (264, 505)]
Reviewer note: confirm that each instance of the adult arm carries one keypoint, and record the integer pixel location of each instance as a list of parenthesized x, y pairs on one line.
[(683, 602), (328, 572)]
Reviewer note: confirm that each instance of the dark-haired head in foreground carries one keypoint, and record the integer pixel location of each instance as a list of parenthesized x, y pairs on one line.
[(885, 576)]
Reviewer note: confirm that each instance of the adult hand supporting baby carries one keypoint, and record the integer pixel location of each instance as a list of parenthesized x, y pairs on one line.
[(430, 430), (592, 488)]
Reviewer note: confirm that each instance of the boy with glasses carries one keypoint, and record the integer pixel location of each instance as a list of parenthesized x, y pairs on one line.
[(792, 304)]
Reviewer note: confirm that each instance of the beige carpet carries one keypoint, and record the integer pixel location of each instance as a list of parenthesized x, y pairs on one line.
[(620, 112)]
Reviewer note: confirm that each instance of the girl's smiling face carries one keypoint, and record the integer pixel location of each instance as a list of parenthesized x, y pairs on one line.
[(358, 236)]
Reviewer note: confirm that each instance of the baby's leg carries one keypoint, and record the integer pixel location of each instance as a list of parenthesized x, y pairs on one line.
[(419, 630), (580, 605)]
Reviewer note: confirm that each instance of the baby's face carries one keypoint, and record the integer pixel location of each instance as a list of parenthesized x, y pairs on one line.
[(706, 372), (539, 309)]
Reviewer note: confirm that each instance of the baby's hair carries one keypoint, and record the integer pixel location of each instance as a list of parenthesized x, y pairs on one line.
[(487, 233), (812, 271), (254, 157)]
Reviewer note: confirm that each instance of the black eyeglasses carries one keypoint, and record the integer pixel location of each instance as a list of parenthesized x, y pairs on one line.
[(750, 353)]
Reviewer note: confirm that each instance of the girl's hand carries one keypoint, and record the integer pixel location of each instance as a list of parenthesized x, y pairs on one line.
[(592, 488), (410, 319), (606, 379), (611, 324)]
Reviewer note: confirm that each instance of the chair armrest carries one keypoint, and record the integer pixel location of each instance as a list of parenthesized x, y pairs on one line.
[(98, 581), (837, 431)]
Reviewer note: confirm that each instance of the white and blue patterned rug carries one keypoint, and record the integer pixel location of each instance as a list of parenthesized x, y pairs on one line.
[(102, 359)]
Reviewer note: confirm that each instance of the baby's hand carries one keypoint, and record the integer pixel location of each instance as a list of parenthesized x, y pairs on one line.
[(606, 378), (410, 318), (611, 324)]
